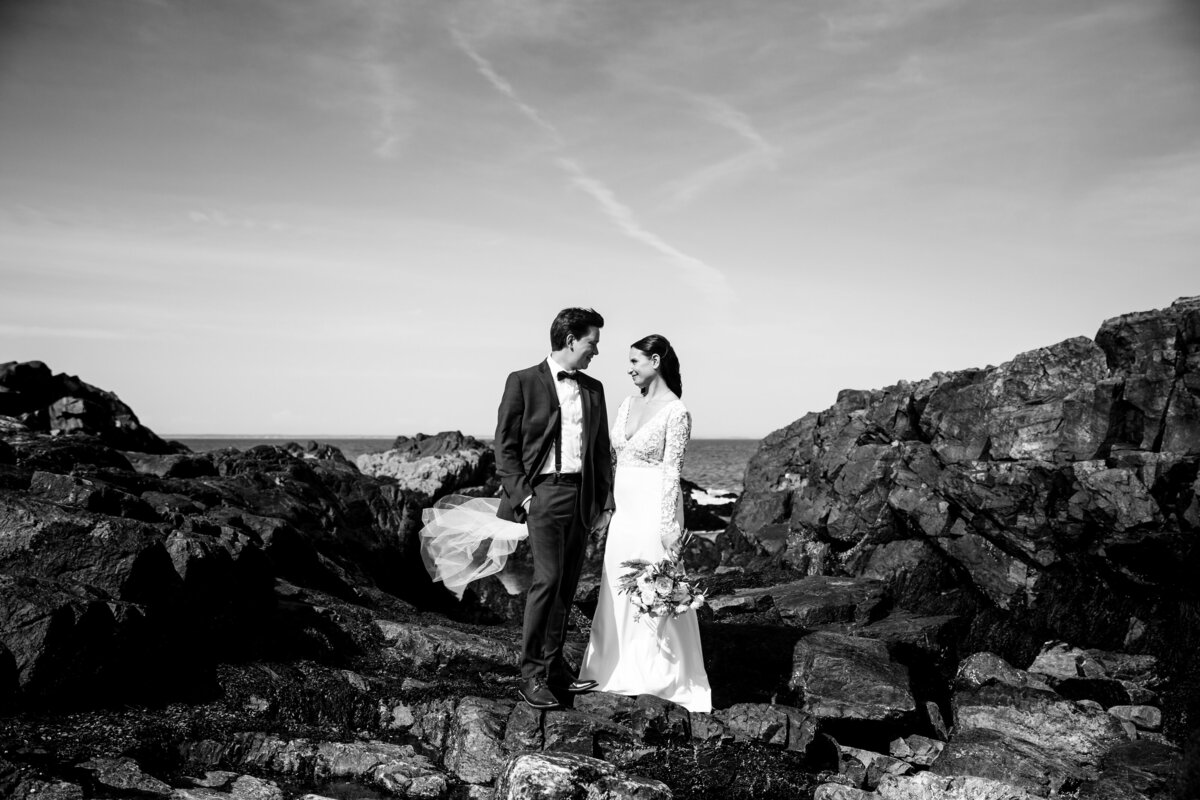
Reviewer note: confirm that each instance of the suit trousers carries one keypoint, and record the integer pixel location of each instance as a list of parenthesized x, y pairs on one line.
[(557, 542)]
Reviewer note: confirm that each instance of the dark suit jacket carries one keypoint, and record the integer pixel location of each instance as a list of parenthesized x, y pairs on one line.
[(525, 428)]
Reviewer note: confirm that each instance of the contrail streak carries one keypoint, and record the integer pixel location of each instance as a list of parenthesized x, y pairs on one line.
[(609, 204), (725, 115), (623, 217)]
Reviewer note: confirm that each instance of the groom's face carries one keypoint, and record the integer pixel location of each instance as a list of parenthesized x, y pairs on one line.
[(582, 351)]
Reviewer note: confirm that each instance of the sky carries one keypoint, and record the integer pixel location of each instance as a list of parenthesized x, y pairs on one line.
[(356, 217)]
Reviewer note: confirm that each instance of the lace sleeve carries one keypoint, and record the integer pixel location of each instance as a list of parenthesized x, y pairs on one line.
[(617, 433), (679, 430)]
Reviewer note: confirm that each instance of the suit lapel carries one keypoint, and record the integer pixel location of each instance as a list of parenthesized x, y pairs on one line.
[(585, 400), (546, 446), (548, 382)]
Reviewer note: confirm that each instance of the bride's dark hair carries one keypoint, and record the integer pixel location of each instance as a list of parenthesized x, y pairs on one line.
[(655, 345)]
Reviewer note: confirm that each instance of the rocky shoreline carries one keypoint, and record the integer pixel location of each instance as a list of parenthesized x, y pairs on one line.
[(974, 586)]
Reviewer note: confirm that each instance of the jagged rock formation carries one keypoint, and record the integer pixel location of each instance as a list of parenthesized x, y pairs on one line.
[(1053, 497), (423, 445), (435, 465), (877, 621), (111, 561), (58, 404)]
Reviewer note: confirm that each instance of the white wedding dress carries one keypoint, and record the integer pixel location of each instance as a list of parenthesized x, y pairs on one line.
[(658, 656)]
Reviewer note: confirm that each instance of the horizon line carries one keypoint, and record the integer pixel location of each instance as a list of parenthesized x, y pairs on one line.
[(370, 436)]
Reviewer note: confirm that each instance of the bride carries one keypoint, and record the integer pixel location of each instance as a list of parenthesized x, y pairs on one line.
[(660, 656)]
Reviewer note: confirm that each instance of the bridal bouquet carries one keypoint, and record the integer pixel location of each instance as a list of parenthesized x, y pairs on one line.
[(661, 588)]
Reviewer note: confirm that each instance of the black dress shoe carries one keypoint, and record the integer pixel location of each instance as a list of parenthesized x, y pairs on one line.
[(537, 694), (570, 682), (581, 685)]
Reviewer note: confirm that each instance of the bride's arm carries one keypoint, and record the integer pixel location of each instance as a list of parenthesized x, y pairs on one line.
[(679, 431), (605, 469), (618, 429)]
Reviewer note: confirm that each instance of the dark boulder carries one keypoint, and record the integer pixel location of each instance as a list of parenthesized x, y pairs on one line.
[(174, 465), (987, 754), (64, 641), (118, 558), (853, 685), (1005, 717), (1052, 497), (19, 782), (559, 776), (436, 466), (111, 564), (475, 744), (648, 719), (820, 600), (1138, 770), (779, 725), (398, 770), (64, 454), (63, 404), (123, 775), (90, 495), (423, 445), (1054, 400)]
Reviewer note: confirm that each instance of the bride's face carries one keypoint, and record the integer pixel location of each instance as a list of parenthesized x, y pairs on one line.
[(642, 368)]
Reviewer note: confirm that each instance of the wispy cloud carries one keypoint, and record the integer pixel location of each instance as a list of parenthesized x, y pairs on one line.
[(722, 113), (623, 218), (729, 170), (47, 332), (505, 88), (760, 155), (853, 25), (378, 63), (222, 219), (389, 104), (1110, 15), (911, 72)]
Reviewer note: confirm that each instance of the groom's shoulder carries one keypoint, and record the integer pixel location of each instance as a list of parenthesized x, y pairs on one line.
[(528, 372)]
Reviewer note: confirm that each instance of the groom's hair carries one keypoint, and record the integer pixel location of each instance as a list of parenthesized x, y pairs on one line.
[(573, 321)]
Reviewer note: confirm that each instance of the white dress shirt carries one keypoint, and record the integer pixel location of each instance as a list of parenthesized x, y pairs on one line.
[(571, 403)]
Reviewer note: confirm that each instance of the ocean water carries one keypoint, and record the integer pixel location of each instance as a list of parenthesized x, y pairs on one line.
[(714, 464)]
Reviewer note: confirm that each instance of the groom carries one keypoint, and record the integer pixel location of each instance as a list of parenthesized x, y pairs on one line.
[(552, 458)]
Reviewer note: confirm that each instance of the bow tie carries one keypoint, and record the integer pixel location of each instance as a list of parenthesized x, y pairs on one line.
[(564, 375)]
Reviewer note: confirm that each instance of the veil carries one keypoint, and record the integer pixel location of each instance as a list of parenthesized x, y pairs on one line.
[(463, 540)]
